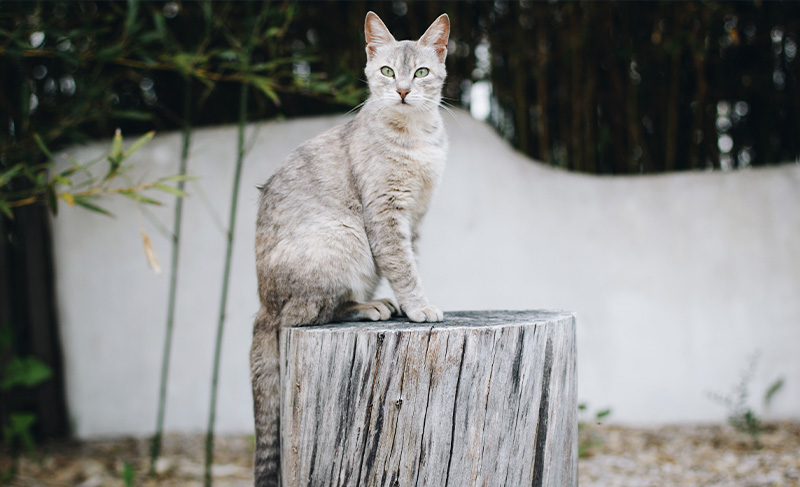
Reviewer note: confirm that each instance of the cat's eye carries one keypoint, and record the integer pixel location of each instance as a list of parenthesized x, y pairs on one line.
[(421, 73), (387, 71)]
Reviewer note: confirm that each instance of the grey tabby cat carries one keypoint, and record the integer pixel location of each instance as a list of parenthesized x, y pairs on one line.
[(344, 210)]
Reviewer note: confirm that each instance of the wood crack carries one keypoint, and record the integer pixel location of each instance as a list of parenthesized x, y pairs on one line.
[(455, 409), (366, 429), (544, 411)]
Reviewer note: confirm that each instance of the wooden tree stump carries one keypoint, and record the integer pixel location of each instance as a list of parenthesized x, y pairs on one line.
[(481, 399)]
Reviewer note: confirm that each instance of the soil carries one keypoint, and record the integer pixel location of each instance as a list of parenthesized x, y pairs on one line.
[(686, 456)]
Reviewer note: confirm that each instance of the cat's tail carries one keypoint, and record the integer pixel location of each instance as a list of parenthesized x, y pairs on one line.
[(265, 371)]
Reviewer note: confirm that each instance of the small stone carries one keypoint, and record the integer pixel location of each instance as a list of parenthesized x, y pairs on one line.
[(164, 466)]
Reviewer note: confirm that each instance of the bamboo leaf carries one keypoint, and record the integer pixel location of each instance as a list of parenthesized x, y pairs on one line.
[(61, 179), (18, 428), (227, 55), (52, 199), (265, 86), (130, 20), (150, 252), (185, 62), (132, 115), (602, 414), (178, 177), (144, 139), (25, 372), (115, 156), (42, 146), (171, 190), (772, 390), (109, 53), (6, 210), (116, 144), (161, 25), (9, 174), (140, 198), (82, 201), (68, 198)]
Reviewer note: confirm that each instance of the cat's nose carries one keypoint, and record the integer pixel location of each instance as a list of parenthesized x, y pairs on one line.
[(403, 93)]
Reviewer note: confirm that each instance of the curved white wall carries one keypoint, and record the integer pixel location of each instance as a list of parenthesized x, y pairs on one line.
[(677, 279)]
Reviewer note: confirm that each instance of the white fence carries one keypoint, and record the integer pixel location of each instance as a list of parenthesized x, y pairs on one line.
[(677, 279)]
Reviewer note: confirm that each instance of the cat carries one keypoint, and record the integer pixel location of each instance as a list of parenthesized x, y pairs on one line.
[(344, 211)]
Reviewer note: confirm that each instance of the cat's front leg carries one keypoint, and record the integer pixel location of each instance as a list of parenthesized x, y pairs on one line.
[(390, 237)]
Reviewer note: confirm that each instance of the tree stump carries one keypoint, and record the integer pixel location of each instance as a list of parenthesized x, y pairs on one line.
[(481, 399)]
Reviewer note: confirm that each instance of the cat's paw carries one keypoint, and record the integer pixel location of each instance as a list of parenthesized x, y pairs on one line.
[(380, 310), (385, 309), (427, 313)]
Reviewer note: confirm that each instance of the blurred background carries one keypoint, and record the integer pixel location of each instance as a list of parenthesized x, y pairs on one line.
[(639, 137)]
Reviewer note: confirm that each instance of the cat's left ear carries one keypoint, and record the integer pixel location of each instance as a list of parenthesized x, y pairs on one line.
[(376, 34), (436, 36)]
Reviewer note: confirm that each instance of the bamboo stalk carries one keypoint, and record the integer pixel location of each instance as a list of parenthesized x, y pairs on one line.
[(155, 447), (225, 280)]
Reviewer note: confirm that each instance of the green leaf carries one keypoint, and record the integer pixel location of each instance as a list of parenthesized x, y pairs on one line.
[(19, 428), (602, 414), (25, 372), (130, 20), (9, 174), (116, 144), (52, 199), (132, 115), (772, 390), (171, 190), (140, 142), (272, 32), (140, 198), (185, 62), (265, 86), (42, 146), (82, 201), (128, 474), (178, 177), (227, 55), (115, 157), (161, 25), (109, 53), (60, 179), (6, 210)]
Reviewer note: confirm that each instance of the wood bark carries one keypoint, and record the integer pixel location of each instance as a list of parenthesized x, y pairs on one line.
[(481, 399)]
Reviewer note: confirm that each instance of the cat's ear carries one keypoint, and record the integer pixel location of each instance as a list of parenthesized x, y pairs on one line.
[(376, 33), (436, 36)]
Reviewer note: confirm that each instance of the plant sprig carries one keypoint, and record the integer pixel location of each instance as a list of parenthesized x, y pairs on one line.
[(48, 188)]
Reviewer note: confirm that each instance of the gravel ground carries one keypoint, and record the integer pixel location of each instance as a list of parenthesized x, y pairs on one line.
[(683, 456)]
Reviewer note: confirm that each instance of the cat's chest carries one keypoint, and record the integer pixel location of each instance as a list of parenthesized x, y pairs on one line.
[(401, 172)]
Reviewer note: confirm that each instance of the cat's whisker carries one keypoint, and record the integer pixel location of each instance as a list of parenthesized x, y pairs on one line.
[(355, 108)]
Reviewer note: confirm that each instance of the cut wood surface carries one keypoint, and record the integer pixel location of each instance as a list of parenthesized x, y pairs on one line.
[(485, 398)]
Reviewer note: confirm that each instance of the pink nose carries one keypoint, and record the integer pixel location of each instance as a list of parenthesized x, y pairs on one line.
[(403, 93)]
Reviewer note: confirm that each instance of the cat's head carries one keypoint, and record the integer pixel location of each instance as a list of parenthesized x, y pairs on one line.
[(406, 75)]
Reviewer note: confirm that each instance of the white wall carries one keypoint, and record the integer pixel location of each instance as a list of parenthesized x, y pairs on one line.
[(677, 279)]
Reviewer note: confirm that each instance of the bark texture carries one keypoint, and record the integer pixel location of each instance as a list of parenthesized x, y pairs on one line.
[(482, 399)]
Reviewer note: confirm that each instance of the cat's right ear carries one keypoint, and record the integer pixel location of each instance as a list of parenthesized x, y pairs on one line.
[(376, 33)]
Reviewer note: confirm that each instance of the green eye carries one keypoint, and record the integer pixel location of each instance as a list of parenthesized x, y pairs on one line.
[(387, 71), (421, 73)]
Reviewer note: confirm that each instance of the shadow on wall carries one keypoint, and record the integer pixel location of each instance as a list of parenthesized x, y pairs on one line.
[(676, 279)]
